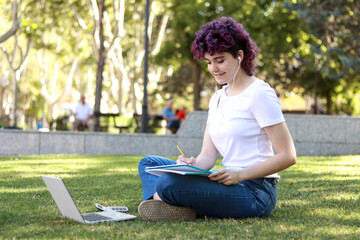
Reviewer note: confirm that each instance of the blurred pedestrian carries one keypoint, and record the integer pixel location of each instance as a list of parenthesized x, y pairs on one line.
[(83, 115), (172, 121)]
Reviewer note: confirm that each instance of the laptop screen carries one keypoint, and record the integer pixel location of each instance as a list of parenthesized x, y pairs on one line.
[(63, 198)]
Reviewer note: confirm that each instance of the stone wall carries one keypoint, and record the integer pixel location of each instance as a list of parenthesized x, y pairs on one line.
[(313, 135), (323, 135)]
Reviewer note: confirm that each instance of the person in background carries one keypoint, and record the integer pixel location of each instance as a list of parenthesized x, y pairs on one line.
[(172, 122), (5, 118), (245, 125), (83, 115), (181, 114)]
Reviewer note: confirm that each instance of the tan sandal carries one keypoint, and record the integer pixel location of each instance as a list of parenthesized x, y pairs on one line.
[(156, 210)]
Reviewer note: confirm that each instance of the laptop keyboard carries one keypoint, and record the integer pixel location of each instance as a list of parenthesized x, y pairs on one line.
[(95, 217)]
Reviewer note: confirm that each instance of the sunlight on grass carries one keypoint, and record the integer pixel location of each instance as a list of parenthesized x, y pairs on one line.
[(344, 196), (285, 228), (123, 169), (334, 230), (19, 190), (334, 213)]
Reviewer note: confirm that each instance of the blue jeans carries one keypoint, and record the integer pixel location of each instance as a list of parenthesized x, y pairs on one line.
[(251, 198)]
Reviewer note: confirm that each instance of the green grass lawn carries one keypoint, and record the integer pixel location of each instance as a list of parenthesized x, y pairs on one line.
[(318, 199)]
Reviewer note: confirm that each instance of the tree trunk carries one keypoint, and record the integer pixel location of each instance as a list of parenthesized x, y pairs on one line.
[(132, 96), (15, 105), (316, 89), (329, 103), (15, 23), (2, 93), (101, 62), (120, 94), (195, 77)]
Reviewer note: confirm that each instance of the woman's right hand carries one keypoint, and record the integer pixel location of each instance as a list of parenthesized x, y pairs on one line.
[(184, 160)]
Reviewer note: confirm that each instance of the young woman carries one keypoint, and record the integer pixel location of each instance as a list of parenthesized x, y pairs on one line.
[(245, 123)]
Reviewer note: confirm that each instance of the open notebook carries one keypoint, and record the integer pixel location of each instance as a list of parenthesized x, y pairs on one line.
[(182, 169)]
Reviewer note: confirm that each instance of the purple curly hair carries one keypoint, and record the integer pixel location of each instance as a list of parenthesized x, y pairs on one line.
[(225, 35)]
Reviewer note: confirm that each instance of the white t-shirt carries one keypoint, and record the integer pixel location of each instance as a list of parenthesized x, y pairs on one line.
[(83, 111), (236, 124)]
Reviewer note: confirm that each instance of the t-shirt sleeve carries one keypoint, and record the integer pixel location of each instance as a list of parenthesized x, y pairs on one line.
[(91, 112), (163, 112), (76, 110), (168, 113), (266, 107)]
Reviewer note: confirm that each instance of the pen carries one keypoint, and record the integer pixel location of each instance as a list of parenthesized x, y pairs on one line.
[(181, 152)]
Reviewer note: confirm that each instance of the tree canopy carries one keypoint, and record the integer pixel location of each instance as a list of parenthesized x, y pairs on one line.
[(50, 53), (333, 59)]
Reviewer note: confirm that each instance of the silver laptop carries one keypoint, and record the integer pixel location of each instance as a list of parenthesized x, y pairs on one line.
[(68, 208)]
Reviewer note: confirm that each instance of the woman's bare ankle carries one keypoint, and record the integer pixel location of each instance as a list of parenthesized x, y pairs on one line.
[(156, 196)]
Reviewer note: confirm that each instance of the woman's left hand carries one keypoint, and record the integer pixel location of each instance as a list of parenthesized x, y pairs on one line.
[(226, 176)]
